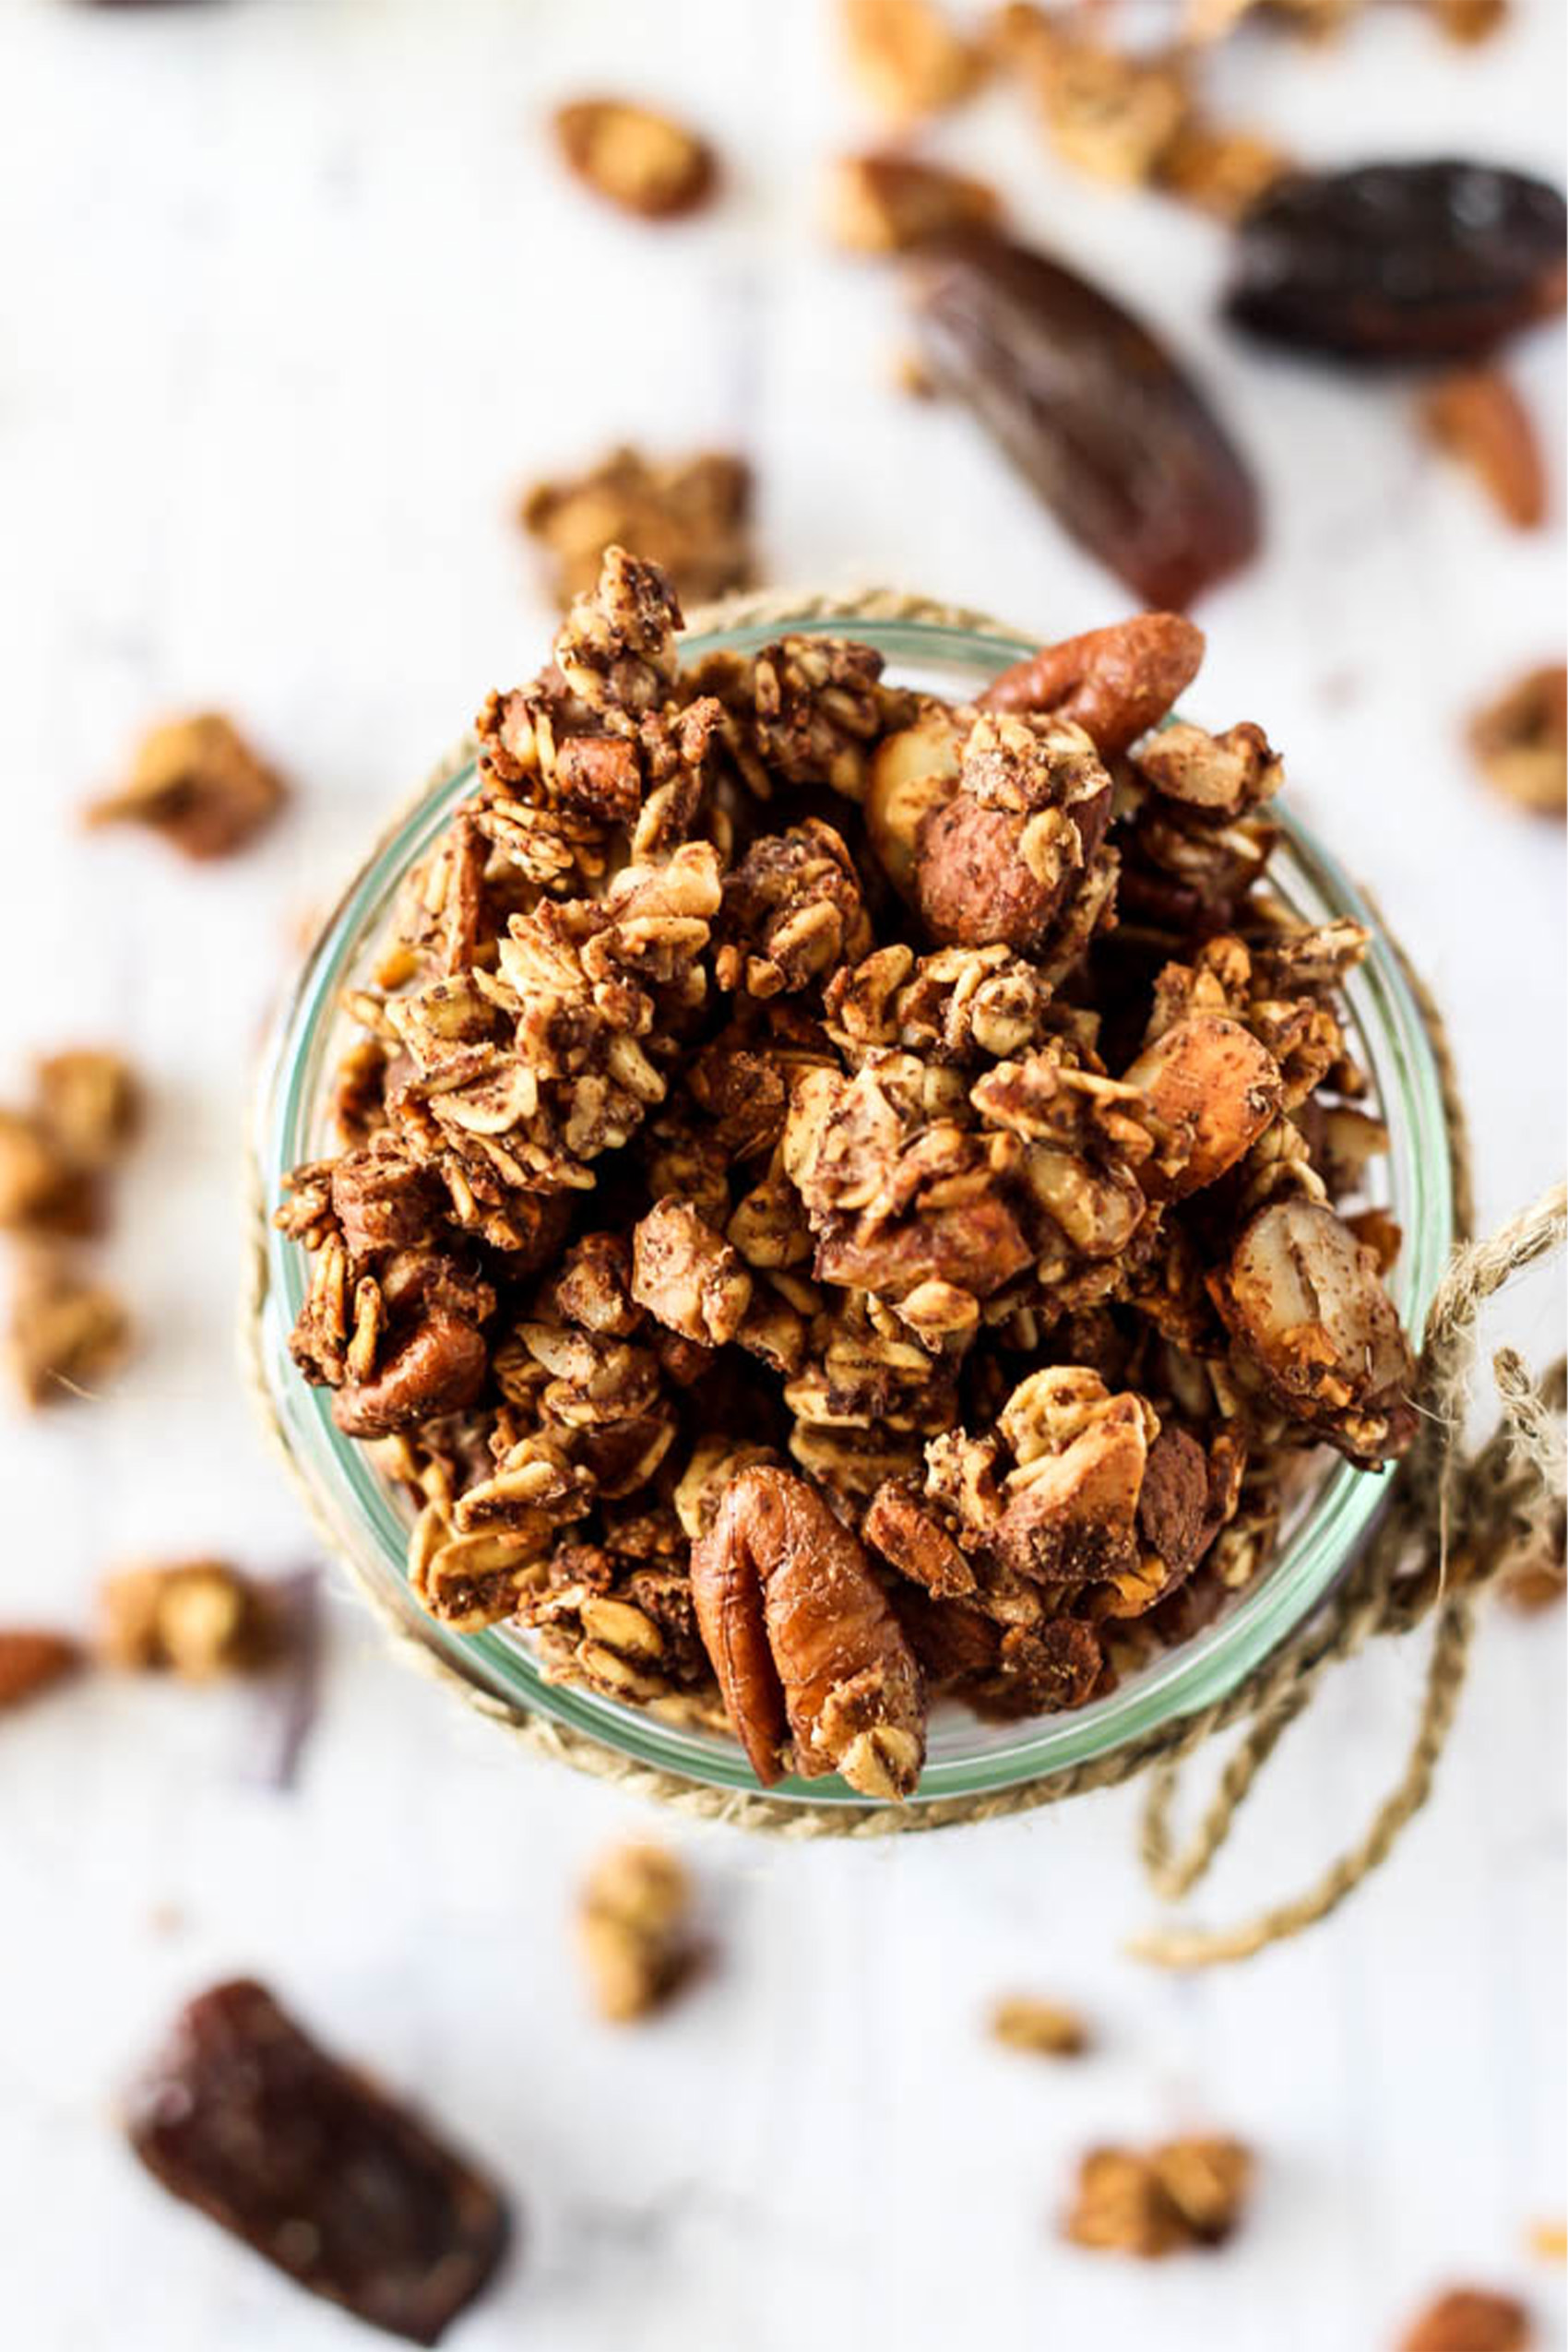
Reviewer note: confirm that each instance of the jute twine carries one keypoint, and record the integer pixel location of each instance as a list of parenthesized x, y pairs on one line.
[(1451, 1522)]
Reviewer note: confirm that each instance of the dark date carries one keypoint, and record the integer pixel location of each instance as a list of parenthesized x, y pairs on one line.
[(1095, 412), (244, 2116), (1400, 261)]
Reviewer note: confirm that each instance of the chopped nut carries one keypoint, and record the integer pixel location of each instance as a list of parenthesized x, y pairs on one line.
[(882, 203), (1520, 742), (643, 162), (198, 1620), (693, 515), (1477, 417), (634, 1929), (908, 59), (1470, 2319), (68, 1335), (198, 783), (1187, 2192), (32, 1661), (1043, 2028)]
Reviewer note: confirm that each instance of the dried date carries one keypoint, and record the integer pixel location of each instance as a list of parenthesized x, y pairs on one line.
[(1098, 417), (1396, 261), (242, 2116)]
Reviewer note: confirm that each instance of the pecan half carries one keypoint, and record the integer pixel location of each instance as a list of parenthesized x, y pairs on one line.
[(804, 1644)]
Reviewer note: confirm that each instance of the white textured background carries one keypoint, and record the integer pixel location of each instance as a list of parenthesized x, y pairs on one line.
[(294, 300)]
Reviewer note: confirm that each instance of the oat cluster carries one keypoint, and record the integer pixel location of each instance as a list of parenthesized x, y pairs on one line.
[(840, 1196)]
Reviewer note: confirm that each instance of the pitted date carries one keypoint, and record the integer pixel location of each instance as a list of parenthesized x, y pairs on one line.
[(1096, 414), (243, 2117), (1400, 261)]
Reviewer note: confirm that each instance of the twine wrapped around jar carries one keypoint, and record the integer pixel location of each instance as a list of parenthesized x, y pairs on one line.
[(1451, 1522)]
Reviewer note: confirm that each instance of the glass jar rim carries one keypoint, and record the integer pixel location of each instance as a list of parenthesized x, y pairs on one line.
[(355, 1503)]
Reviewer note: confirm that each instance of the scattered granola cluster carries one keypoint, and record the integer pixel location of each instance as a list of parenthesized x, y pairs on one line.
[(837, 1196), (1185, 2193), (693, 515), (635, 1930), (67, 1332)]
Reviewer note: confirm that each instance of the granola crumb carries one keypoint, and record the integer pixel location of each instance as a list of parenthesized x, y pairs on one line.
[(1045, 2028), (196, 1619), (1547, 2240), (1470, 2319), (691, 514), (198, 783), (34, 1660), (1185, 2193), (68, 1333), (1520, 742), (634, 1928)]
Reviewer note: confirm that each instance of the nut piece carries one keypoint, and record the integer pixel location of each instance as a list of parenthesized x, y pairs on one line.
[(1187, 2192), (1305, 1304), (198, 1620), (691, 514), (999, 863), (1042, 2027), (805, 1647), (1470, 2319), (438, 1368), (32, 1661), (1114, 683), (1520, 742), (1214, 1089), (634, 1928), (68, 1333), (687, 1276), (197, 782), (882, 203), (643, 162), (1477, 417), (907, 58), (1071, 1507)]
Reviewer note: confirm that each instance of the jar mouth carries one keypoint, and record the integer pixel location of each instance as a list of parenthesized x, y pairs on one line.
[(367, 1521)]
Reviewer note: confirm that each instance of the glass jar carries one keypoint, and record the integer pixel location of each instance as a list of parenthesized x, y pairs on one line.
[(369, 1518)]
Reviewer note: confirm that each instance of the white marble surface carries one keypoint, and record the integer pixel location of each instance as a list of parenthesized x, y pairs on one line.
[(296, 299)]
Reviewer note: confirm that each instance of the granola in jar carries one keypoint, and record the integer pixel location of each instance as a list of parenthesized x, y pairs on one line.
[(853, 1201)]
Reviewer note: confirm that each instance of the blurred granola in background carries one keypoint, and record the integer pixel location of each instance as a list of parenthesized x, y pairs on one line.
[(692, 515)]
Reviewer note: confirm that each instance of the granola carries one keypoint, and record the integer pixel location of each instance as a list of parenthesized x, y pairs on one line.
[(633, 1929), (1470, 2319), (198, 783), (198, 1618), (853, 1201), (692, 515), (1520, 742), (642, 163)]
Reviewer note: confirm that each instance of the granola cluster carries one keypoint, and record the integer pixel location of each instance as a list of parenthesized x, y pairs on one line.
[(839, 1195)]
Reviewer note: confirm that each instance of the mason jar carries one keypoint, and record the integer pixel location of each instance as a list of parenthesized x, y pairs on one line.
[(367, 1518)]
